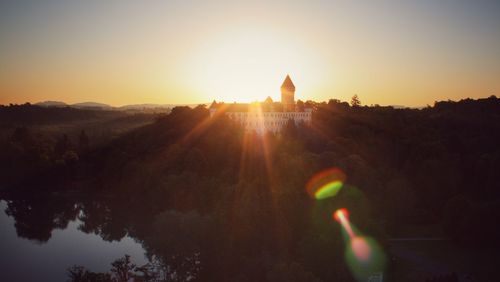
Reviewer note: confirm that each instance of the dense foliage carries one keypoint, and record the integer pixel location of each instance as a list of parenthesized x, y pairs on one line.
[(42, 145), (212, 202)]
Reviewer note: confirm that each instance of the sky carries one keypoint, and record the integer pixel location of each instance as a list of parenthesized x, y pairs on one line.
[(122, 52)]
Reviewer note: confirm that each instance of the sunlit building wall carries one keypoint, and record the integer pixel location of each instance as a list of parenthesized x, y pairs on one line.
[(266, 116)]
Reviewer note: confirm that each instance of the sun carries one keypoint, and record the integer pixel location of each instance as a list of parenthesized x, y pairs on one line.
[(245, 65)]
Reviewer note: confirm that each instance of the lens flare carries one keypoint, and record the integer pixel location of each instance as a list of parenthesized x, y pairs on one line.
[(342, 217), (328, 190), (363, 255), (340, 214), (360, 248), (326, 184)]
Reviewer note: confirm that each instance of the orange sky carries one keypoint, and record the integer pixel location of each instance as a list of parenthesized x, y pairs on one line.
[(126, 52)]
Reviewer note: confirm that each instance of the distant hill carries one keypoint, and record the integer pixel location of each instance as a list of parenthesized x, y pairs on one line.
[(28, 115), (145, 106), (154, 107), (399, 106), (91, 105), (162, 105), (51, 104)]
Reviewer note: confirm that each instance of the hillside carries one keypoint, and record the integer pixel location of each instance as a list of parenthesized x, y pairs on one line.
[(406, 170), (37, 141)]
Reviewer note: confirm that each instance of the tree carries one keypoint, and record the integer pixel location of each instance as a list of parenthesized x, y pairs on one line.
[(62, 145), (123, 269), (290, 129), (22, 136), (195, 160), (83, 143), (78, 273), (355, 102), (180, 242), (399, 198), (300, 106), (147, 272), (455, 211), (290, 272)]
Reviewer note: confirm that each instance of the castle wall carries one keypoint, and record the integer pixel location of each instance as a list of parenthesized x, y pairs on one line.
[(267, 121), (262, 121)]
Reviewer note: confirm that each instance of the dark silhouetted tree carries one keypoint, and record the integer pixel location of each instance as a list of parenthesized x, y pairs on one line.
[(78, 273), (290, 129), (300, 106), (123, 269), (355, 102), (83, 142), (63, 144)]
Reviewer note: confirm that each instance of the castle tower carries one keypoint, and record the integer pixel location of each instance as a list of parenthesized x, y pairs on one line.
[(288, 95)]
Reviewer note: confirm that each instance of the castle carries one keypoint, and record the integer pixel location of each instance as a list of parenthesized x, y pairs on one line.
[(267, 116)]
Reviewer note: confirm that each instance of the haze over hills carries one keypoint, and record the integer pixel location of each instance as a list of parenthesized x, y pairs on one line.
[(51, 104), (102, 106), (91, 105), (145, 106)]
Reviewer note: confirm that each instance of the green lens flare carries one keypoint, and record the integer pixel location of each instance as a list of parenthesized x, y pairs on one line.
[(328, 190), (325, 184)]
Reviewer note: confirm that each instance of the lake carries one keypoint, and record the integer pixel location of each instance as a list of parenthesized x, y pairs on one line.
[(30, 251)]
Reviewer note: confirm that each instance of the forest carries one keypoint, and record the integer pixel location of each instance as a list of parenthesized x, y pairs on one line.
[(210, 201)]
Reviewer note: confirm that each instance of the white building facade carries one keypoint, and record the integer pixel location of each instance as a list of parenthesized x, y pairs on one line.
[(267, 116)]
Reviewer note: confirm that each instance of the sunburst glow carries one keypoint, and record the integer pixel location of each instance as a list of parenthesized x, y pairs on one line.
[(248, 64)]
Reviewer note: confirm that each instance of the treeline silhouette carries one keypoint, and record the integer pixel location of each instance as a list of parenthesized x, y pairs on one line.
[(32, 114), (212, 202), (414, 165), (40, 146)]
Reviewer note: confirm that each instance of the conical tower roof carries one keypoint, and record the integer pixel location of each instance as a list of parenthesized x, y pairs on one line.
[(213, 105), (288, 84)]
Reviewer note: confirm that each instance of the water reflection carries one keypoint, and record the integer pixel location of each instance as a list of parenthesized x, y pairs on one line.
[(177, 245), (40, 238), (95, 232), (36, 218), (110, 218)]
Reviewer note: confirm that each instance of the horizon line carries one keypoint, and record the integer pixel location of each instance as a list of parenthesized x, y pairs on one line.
[(208, 103)]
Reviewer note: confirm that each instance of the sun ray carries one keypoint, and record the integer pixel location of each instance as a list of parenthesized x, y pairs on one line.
[(202, 126)]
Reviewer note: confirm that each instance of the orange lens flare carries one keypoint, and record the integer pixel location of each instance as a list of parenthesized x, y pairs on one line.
[(325, 184)]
